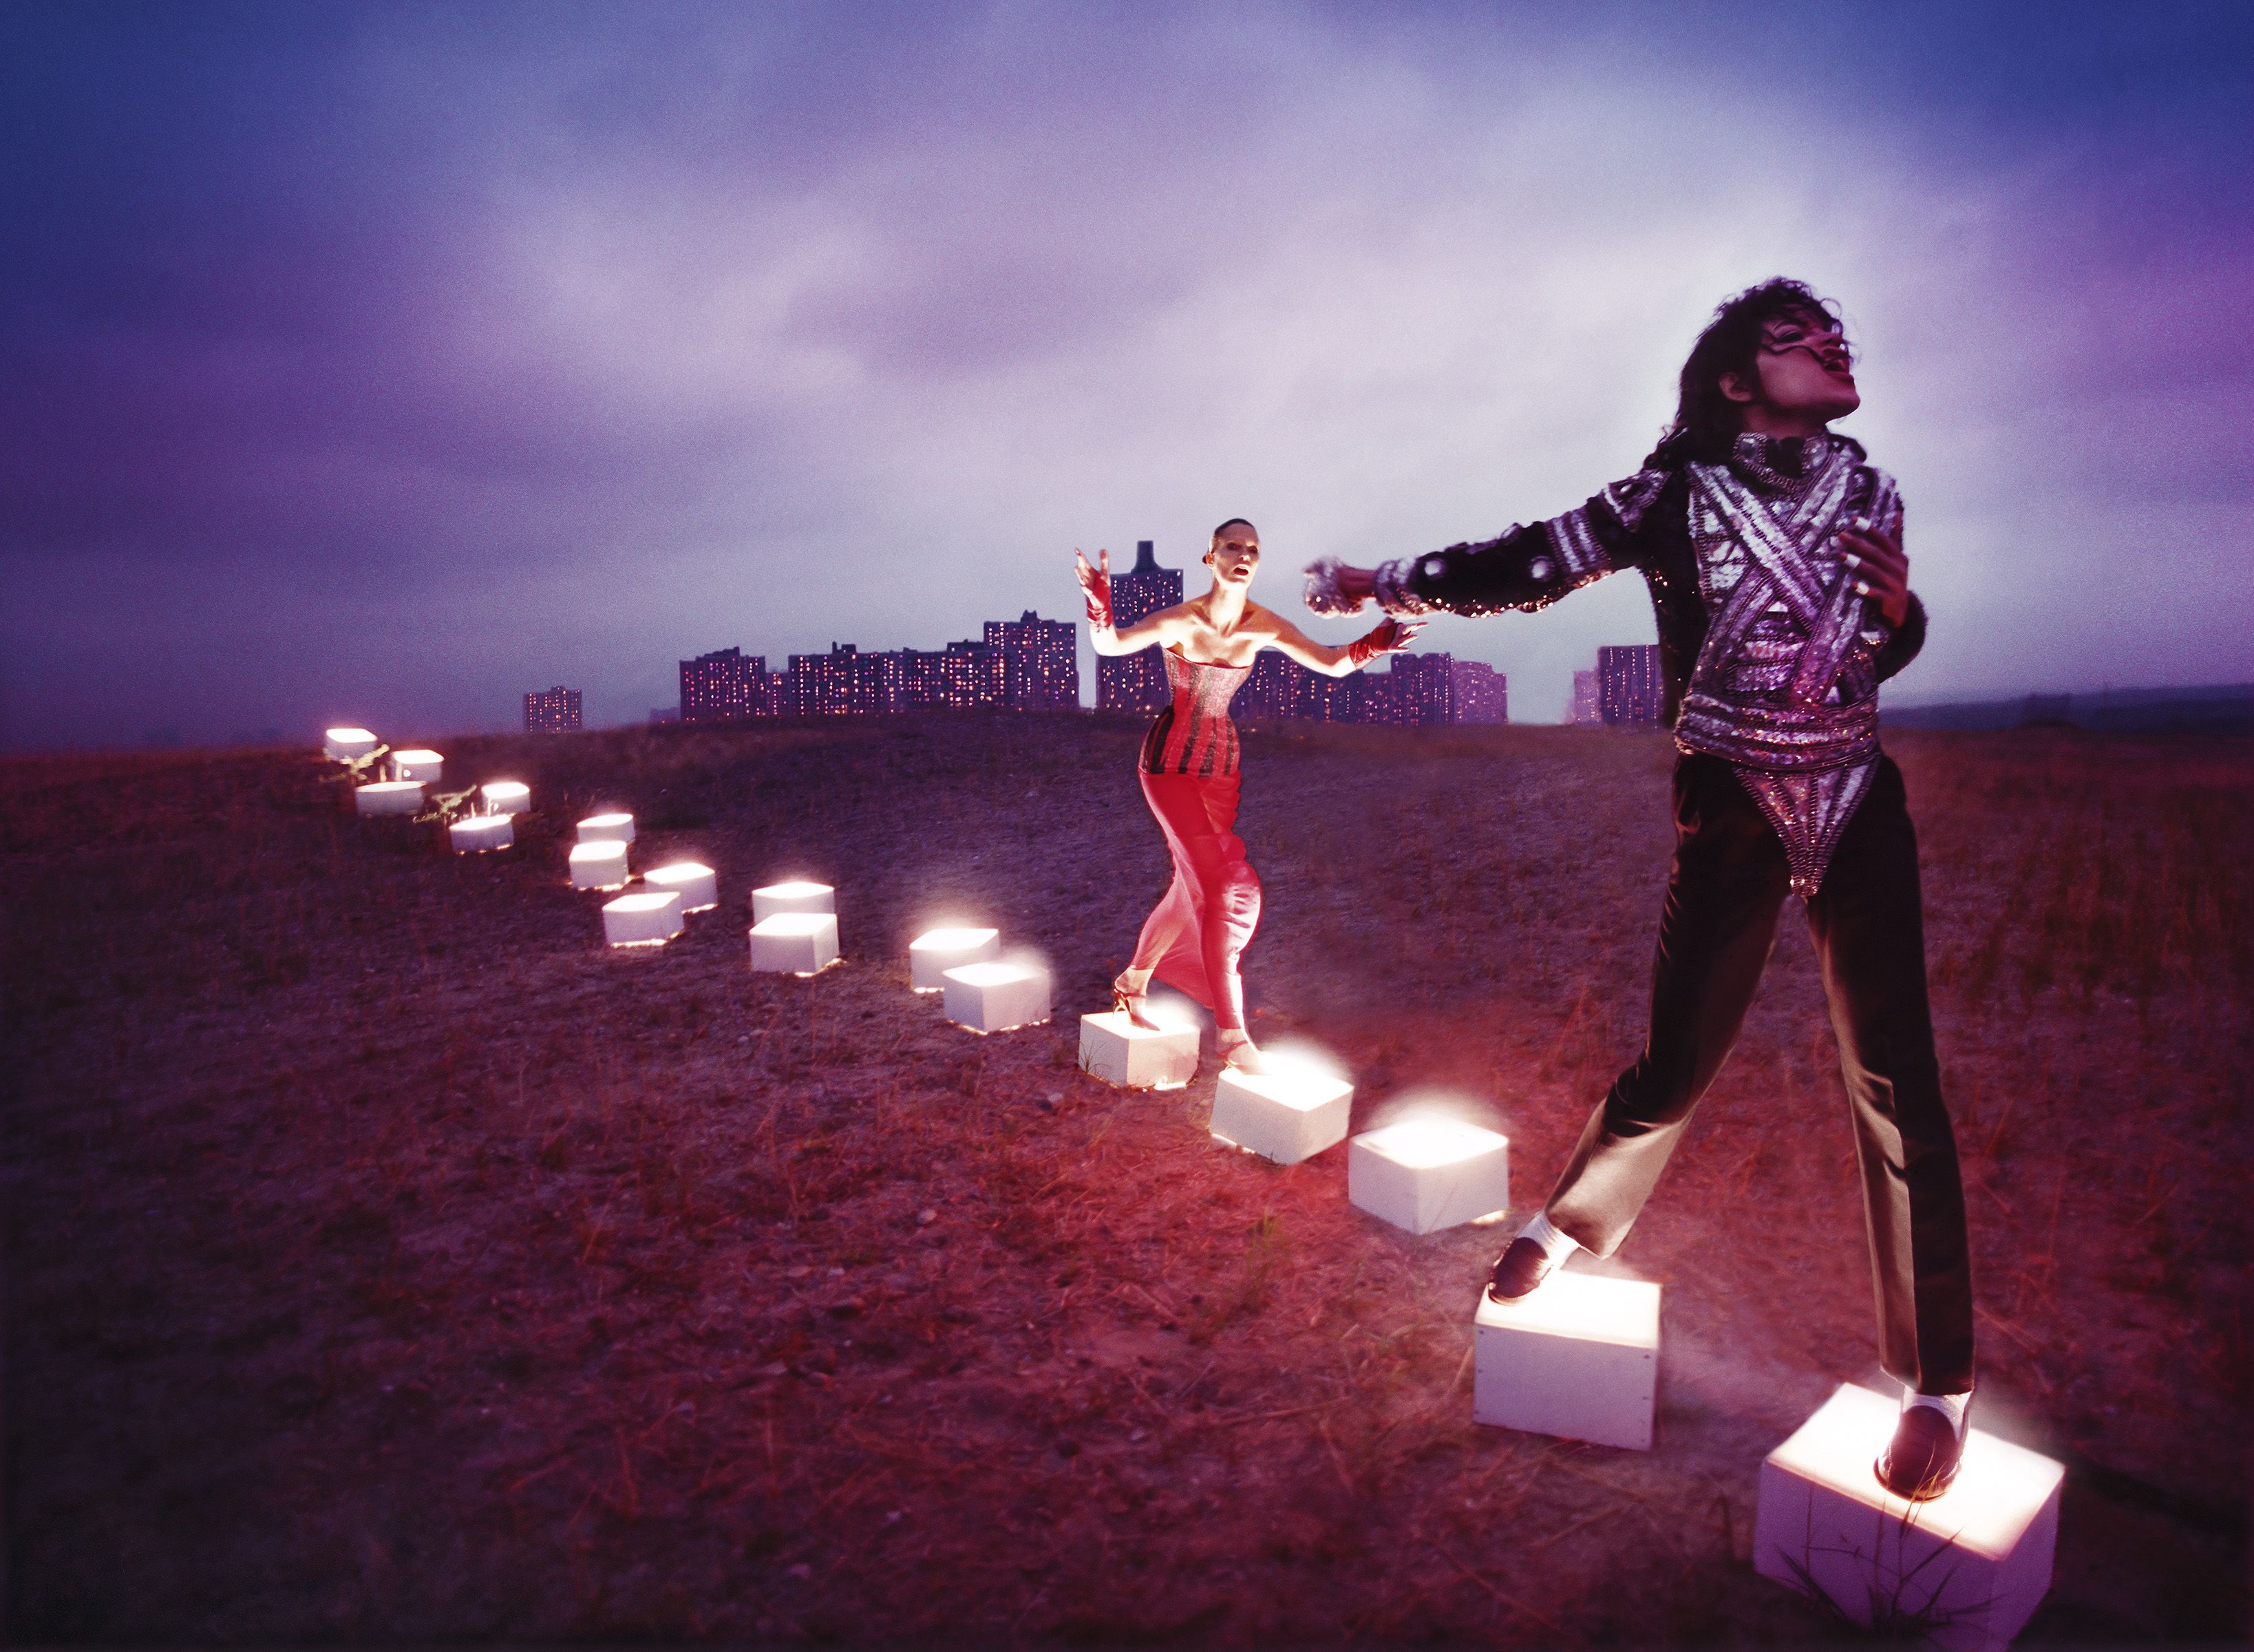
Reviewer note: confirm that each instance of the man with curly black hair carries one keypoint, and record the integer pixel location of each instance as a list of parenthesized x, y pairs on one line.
[(1772, 550)]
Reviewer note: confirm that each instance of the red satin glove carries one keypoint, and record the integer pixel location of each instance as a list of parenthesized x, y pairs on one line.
[(1388, 636), (1096, 588)]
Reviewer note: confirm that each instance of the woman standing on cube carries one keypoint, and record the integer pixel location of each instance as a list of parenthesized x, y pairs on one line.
[(1196, 933)]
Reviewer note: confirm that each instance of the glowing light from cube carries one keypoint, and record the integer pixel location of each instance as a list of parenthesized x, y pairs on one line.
[(425, 766), (1970, 1566), (932, 953), (599, 866), (480, 833), (1429, 1170), (506, 797), (699, 887), (996, 996), (642, 919), (1578, 1358), (792, 897), (1113, 1049), (1291, 1112), (348, 745), (389, 797), (607, 828), (795, 942)]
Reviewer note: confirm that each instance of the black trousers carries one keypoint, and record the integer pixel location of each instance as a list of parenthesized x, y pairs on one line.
[(1723, 892)]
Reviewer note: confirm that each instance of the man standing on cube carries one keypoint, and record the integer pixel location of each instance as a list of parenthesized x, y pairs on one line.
[(1772, 550)]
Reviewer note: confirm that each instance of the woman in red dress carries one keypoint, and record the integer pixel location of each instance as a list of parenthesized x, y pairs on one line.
[(1194, 935)]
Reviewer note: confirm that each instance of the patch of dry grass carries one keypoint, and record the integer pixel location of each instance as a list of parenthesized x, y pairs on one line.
[(389, 1260)]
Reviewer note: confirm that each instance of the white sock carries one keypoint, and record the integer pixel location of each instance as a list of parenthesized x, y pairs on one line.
[(1555, 1245), (1950, 1406)]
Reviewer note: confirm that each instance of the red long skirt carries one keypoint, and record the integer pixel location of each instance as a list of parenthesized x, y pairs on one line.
[(1195, 935)]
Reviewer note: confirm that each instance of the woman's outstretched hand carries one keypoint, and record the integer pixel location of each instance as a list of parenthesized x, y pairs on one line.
[(1388, 636), (1096, 586)]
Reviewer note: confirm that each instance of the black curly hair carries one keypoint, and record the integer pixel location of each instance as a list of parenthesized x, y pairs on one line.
[(1706, 421)]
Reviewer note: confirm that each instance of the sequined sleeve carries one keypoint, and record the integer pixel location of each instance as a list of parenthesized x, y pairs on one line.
[(1531, 567), (1900, 643)]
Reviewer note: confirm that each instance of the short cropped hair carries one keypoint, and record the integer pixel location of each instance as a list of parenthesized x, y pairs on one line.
[(1234, 521)]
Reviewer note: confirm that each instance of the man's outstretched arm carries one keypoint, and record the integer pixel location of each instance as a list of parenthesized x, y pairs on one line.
[(1525, 568)]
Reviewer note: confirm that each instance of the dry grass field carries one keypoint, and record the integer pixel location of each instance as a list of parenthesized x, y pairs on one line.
[(389, 1261)]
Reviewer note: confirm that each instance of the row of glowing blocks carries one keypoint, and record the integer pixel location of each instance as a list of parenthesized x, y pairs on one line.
[(653, 915), (1579, 1359), (794, 928), (349, 745), (979, 989), (501, 799)]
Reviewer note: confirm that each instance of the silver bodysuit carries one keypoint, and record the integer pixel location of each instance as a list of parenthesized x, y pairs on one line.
[(1786, 687)]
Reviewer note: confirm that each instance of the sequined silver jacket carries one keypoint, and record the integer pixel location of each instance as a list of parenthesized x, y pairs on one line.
[(1771, 659)]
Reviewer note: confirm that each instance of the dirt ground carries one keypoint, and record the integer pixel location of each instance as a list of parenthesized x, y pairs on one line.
[(386, 1260)]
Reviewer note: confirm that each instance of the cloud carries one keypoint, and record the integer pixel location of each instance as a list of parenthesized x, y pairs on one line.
[(394, 362)]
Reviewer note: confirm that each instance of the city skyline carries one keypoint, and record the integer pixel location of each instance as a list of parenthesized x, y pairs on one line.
[(1031, 664), (379, 361)]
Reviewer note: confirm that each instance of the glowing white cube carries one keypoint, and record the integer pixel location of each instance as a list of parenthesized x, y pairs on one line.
[(1428, 1173), (347, 746), (796, 897), (641, 920), (607, 829), (479, 833), (389, 797), (427, 767), (506, 797), (1113, 1049), (599, 866), (1578, 1358), (932, 953), (795, 942), (698, 888), (994, 996), (1285, 1115), (1969, 1567)]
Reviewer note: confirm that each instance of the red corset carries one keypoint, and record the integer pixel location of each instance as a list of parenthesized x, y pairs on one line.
[(1194, 735)]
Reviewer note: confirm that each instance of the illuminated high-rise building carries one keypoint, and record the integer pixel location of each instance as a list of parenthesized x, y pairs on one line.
[(1137, 681), (1629, 687), (1422, 690), (556, 711), (1482, 694), (1585, 698), (1040, 662), (969, 677), (920, 678), (725, 684), (1274, 690)]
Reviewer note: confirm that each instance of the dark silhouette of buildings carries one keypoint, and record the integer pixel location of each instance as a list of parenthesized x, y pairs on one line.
[(1415, 691), (724, 684), (556, 711), (1585, 698), (1628, 685), (1026, 664), (1482, 693), (1040, 662), (1033, 664), (1137, 681)]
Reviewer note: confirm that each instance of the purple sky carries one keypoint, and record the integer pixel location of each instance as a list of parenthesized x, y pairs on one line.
[(379, 362)]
